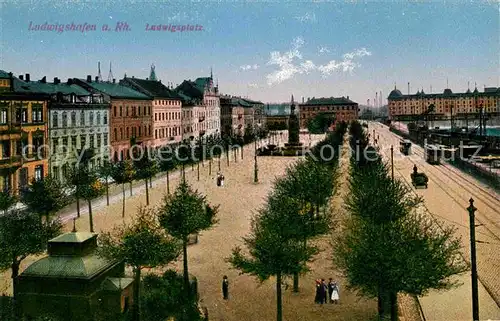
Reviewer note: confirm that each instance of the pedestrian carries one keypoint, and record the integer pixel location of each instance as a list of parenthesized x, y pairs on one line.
[(317, 298), (325, 291), (225, 288), (335, 297), (330, 288), (222, 180), (218, 179)]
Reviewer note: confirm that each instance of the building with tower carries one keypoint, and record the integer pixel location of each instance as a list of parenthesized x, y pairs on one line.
[(167, 109), (201, 102), (342, 109), (447, 104)]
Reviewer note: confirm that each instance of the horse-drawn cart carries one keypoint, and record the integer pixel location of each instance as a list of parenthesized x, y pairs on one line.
[(419, 179), (405, 147)]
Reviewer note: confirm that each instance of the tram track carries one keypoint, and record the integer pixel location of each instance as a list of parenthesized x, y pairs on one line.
[(489, 200), (488, 260)]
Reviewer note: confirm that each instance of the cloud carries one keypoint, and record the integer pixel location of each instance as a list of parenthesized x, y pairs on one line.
[(323, 49), (291, 63), (253, 86), (249, 67), (307, 17)]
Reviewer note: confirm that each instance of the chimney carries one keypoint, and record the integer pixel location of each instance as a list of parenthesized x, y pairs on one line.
[(89, 78), (96, 78), (56, 81), (114, 80), (70, 81), (28, 77), (21, 77), (44, 80)]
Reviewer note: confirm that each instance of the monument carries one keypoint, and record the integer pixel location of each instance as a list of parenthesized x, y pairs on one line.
[(294, 147)]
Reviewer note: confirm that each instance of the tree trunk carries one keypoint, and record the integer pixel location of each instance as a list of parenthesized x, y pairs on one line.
[(130, 188), (77, 206), (15, 272), (394, 306), (147, 192), (123, 200), (198, 171), (279, 306), (168, 183), (296, 282), (136, 307), (91, 219), (185, 263), (107, 192), (227, 157), (151, 182)]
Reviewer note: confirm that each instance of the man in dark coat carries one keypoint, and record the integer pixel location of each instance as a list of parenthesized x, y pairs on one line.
[(225, 288)]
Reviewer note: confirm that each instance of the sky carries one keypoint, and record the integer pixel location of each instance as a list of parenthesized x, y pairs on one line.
[(266, 50)]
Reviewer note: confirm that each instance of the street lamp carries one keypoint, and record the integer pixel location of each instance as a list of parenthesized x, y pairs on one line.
[(255, 170)]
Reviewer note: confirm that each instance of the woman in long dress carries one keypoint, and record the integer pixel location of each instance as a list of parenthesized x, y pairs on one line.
[(335, 293)]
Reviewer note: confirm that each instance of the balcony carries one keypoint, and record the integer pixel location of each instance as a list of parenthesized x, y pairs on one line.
[(201, 118)]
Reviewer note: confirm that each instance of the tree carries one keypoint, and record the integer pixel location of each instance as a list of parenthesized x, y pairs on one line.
[(93, 188), (145, 167), (184, 213), (75, 181), (44, 197), (311, 185), (122, 173), (163, 298), (22, 234), (167, 163), (320, 123), (142, 244), (387, 247), (105, 172), (7, 200), (273, 248)]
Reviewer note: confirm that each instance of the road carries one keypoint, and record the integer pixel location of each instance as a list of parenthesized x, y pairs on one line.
[(446, 200)]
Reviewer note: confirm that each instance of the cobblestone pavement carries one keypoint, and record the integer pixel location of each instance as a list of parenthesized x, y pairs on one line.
[(238, 199), (446, 199)]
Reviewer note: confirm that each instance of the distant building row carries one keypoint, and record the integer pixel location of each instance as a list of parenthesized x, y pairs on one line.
[(446, 104), (51, 124)]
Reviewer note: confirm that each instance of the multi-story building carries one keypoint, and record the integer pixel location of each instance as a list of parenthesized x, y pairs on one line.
[(78, 124), (167, 110), (276, 116), (342, 109), (232, 115), (23, 133), (201, 98), (131, 117), (447, 104), (257, 112)]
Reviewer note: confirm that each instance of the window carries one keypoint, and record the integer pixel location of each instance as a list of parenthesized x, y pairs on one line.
[(144, 111), (138, 110), (73, 118), (3, 116), (121, 111), (116, 134), (82, 118), (105, 120), (38, 172), (127, 133), (55, 142), (91, 118), (121, 133), (156, 116), (92, 141), (114, 111), (65, 119), (55, 120), (83, 141), (36, 114), (139, 130), (156, 133), (105, 140), (126, 111), (99, 138), (98, 120), (73, 142), (65, 144)]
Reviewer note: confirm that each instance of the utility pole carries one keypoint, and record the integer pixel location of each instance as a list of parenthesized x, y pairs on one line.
[(255, 170), (475, 298), (210, 166), (392, 163)]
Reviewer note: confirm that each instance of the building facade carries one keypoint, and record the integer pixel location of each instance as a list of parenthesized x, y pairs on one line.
[(232, 116), (167, 110), (130, 119), (23, 133), (78, 123), (444, 105), (342, 109), (202, 100)]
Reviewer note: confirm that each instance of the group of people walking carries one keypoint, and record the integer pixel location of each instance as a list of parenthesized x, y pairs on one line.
[(327, 292), (220, 179)]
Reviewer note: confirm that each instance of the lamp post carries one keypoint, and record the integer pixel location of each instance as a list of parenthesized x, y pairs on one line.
[(475, 298), (392, 163)]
